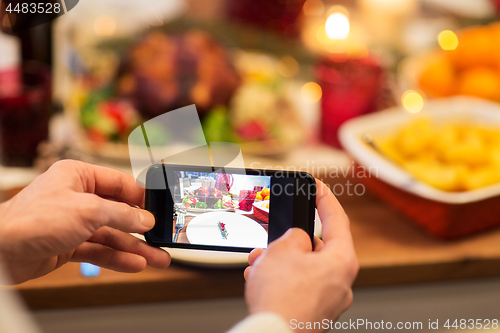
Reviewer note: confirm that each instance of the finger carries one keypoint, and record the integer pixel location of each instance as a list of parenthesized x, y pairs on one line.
[(247, 271), (317, 244), (122, 241), (348, 300), (336, 226), (112, 183), (97, 212), (105, 257), (254, 255), (294, 239)]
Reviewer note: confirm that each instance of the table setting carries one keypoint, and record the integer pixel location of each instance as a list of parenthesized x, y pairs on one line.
[(301, 87)]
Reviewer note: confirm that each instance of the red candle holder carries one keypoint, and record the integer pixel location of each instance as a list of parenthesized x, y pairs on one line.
[(350, 88)]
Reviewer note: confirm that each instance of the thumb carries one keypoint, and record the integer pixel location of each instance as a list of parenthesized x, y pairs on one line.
[(292, 240)]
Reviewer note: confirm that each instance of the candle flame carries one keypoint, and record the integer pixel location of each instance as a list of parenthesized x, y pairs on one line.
[(337, 26)]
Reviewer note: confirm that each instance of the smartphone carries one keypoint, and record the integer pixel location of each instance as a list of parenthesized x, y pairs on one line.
[(226, 209)]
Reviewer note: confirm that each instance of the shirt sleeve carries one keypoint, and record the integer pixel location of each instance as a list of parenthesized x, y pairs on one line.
[(266, 322), (14, 318)]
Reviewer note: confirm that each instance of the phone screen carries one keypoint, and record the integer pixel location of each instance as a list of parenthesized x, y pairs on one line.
[(235, 209)]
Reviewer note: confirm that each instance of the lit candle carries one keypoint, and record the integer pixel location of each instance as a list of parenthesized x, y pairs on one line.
[(334, 31), (348, 77), (337, 26)]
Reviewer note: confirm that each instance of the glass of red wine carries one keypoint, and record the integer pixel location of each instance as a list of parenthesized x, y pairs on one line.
[(24, 118), (247, 198)]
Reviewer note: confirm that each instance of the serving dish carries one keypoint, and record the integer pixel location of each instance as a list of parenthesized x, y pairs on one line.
[(260, 211), (441, 213), (149, 79)]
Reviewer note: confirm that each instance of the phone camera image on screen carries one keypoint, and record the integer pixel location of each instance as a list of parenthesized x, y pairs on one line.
[(207, 209), (221, 209)]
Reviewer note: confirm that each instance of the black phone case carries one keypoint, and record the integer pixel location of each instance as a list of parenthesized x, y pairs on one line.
[(309, 214)]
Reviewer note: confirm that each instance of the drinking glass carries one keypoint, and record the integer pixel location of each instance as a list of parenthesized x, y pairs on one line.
[(24, 119)]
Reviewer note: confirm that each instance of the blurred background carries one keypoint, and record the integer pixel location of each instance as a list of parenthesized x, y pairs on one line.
[(393, 103)]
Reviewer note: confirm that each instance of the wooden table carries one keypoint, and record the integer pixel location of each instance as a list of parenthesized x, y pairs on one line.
[(390, 248)]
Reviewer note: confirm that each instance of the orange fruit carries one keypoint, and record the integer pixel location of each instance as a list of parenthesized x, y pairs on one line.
[(495, 33), (438, 77), (480, 82), (258, 196), (265, 192), (267, 198), (475, 48)]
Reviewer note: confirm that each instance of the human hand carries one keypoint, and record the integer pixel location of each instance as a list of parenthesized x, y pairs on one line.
[(69, 213), (298, 282)]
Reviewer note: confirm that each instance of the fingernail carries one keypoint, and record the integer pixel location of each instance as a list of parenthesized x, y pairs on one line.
[(146, 219)]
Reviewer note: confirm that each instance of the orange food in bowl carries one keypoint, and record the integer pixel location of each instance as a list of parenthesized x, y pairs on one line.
[(454, 156)]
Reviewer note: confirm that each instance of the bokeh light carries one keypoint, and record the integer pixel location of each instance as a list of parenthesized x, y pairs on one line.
[(357, 50), (288, 66), (448, 40), (313, 8), (337, 26), (412, 101), (311, 91), (321, 35), (105, 26)]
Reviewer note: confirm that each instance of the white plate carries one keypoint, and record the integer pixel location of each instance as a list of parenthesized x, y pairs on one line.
[(217, 259), (242, 231), (382, 123)]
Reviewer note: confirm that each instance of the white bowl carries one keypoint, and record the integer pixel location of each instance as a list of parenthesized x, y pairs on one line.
[(382, 123)]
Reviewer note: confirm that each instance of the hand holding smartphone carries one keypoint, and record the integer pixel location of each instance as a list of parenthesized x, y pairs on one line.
[(226, 209)]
